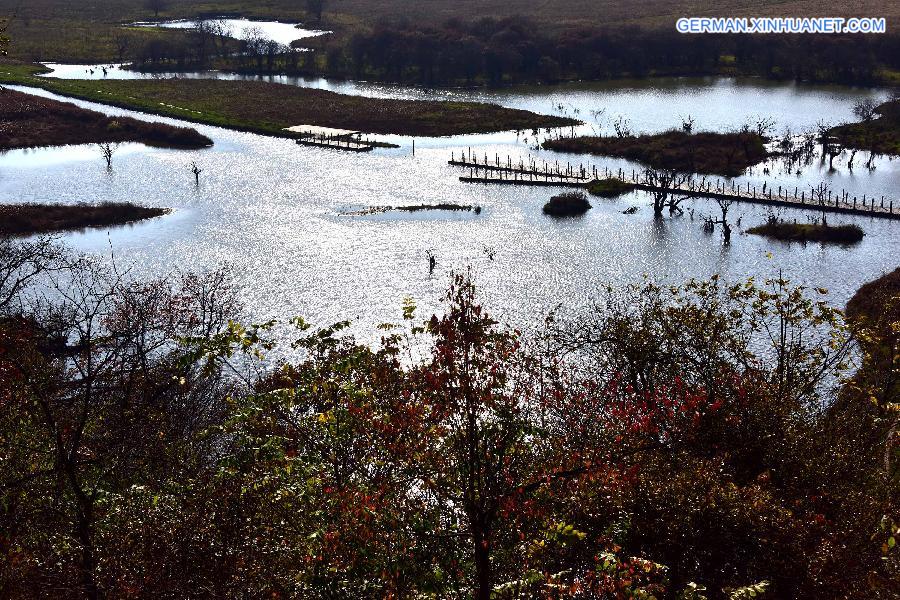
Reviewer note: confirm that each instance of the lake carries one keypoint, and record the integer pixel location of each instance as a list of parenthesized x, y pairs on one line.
[(272, 209), (283, 33)]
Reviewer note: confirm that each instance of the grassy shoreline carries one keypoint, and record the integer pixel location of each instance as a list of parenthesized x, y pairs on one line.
[(809, 232), (269, 108), (19, 220), (609, 187), (28, 121), (880, 135), (727, 154)]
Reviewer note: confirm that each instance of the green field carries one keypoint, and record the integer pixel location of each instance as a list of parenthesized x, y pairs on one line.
[(270, 108)]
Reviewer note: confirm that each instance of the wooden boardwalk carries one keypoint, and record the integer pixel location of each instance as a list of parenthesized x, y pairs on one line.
[(535, 183), (531, 171), (822, 201), (351, 142)]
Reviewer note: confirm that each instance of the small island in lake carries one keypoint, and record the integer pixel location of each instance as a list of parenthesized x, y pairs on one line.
[(567, 205), (609, 187), (727, 154), (29, 219), (28, 121), (809, 232), (270, 108)]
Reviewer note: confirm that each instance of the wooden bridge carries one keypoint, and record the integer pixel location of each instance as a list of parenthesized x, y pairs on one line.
[(824, 200), (320, 137), (520, 173)]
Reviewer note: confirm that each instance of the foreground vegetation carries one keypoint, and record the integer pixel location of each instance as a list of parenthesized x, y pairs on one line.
[(727, 154), (670, 442), (28, 121), (30, 219), (809, 232), (271, 108)]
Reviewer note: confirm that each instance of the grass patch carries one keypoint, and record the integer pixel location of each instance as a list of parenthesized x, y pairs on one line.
[(441, 206), (727, 154), (449, 206), (881, 135), (28, 121), (30, 219), (567, 205), (270, 107), (609, 187), (809, 232)]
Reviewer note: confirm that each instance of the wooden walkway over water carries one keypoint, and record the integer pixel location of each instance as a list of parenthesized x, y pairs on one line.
[(533, 172), (575, 176), (349, 142)]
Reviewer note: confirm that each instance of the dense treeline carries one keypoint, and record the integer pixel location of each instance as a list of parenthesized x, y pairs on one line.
[(514, 50), (511, 50), (672, 443)]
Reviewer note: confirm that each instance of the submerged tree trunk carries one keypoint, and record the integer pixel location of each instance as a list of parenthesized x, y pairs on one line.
[(659, 202)]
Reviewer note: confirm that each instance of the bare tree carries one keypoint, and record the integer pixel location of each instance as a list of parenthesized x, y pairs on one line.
[(255, 44), (687, 125), (622, 127), (724, 205), (273, 49), (107, 150), (156, 6), (764, 125), (20, 264), (830, 147), (106, 362), (865, 109), (196, 171), (221, 33), (667, 189), (123, 43)]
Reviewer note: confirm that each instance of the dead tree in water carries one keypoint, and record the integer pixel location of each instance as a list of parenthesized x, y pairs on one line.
[(196, 171), (866, 110), (666, 192), (724, 205), (432, 261), (622, 127), (107, 150), (830, 147)]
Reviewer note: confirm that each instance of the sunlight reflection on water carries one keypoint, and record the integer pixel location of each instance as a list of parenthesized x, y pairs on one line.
[(271, 210)]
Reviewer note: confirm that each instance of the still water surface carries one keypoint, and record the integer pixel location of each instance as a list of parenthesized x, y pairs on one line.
[(272, 210), (283, 33)]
